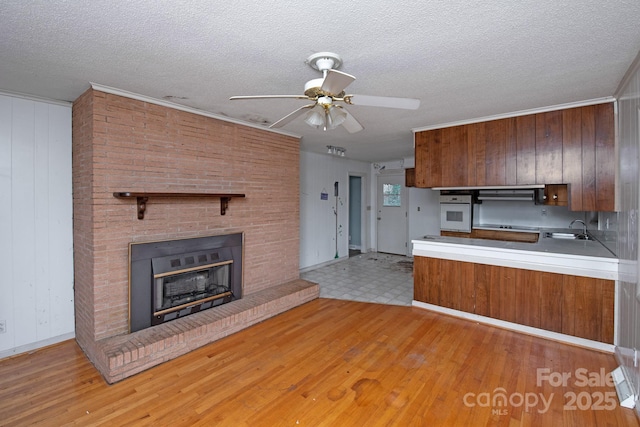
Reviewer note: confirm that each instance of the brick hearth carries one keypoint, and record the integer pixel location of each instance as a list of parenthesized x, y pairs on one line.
[(126, 355), (125, 144)]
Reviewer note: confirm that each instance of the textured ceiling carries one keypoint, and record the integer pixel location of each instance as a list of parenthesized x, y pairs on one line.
[(463, 59)]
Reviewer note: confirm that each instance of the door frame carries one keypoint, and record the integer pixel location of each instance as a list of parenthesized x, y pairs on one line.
[(364, 236), (405, 197)]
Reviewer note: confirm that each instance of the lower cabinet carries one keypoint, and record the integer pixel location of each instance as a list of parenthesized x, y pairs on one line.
[(572, 305)]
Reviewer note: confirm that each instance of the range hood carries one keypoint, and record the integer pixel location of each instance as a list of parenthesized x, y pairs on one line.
[(527, 193), (493, 187), (517, 195)]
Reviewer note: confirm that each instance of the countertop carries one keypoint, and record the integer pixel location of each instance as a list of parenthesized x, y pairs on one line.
[(588, 258)]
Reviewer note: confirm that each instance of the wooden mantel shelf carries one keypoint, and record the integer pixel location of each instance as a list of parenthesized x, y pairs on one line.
[(143, 197)]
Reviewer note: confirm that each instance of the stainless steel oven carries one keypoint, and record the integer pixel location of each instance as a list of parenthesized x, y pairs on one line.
[(455, 212)]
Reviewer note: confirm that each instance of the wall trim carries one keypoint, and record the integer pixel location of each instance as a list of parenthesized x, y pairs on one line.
[(518, 113), (168, 104), (323, 264), (529, 330), (36, 98), (38, 345), (630, 74)]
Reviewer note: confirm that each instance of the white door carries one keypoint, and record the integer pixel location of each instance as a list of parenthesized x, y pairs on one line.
[(392, 214)]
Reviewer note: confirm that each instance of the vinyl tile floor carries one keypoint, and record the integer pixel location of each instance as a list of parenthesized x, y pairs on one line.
[(369, 277)]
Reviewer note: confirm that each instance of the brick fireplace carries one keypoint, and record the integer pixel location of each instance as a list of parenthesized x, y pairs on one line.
[(122, 144)]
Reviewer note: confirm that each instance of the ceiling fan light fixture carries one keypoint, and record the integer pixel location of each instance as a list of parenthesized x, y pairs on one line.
[(336, 117), (315, 117)]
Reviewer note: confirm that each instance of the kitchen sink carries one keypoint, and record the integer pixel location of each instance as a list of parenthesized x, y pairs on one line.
[(574, 236)]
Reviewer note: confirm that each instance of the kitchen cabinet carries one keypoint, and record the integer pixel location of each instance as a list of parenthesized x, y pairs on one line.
[(589, 157), (428, 158), (574, 146), (549, 147), (572, 305), (445, 157), (525, 150), (556, 195), (410, 177), (491, 152)]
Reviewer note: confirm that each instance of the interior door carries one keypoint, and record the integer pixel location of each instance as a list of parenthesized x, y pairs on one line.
[(392, 214)]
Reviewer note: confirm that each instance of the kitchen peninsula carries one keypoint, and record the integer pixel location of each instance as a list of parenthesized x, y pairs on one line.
[(558, 288)]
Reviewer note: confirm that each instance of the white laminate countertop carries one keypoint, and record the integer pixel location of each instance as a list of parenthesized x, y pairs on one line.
[(587, 258)]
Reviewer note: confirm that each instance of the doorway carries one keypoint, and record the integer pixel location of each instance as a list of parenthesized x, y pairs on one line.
[(355, 215), (392, 213)]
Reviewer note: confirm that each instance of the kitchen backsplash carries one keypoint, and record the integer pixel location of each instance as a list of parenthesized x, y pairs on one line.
[(529, 214)]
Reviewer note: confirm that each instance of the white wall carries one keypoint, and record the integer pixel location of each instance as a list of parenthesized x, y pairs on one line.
[(424, 213), (36, 244), (318, 172)]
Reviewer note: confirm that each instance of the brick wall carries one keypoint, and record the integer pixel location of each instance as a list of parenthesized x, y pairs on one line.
[(122, 144)]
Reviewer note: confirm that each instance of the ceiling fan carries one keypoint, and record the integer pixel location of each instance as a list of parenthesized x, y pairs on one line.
[(327, 92)]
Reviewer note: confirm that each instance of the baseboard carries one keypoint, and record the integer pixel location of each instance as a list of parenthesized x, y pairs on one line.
[(554, 336), (323, 264), (36, 345)]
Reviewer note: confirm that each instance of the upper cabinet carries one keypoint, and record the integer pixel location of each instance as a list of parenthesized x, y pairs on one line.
[(574, 146)]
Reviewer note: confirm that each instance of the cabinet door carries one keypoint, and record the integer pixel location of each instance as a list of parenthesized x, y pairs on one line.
[(495, 292), (556, 195), (605, 158), (410, 177), (526, 150), (428, 158), (551, 301), (457, 285), (491, 152), (588, 308), (528, 306), (458, 157), (549, 148), (572, 155), (426, 280), (587, 182), (589, 157)]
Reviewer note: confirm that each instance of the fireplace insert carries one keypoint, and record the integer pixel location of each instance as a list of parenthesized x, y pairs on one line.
[(176, 278)]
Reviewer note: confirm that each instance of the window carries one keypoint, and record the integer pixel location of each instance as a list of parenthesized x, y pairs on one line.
[(391, 194)]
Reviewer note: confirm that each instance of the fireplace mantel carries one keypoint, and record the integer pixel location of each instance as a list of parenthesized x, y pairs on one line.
[(143, 197)]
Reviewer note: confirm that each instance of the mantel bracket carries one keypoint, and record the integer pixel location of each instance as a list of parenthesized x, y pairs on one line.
[(142, 206), (224, 204)]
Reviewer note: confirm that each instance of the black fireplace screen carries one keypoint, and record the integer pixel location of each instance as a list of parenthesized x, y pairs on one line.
[(176, 278), (176, 290)]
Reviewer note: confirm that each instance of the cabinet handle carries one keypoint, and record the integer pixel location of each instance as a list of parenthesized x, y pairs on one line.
[(555, 197)]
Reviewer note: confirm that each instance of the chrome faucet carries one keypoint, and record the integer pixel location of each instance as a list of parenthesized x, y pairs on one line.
[(584, 226)]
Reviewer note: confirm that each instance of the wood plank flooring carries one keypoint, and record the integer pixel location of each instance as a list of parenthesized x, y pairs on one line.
[(326, 363)]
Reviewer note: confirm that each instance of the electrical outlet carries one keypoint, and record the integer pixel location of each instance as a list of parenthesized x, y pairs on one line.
[(3, 326), (543, 212)]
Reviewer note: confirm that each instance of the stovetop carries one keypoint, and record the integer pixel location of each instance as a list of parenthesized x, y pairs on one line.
[(520, 228)]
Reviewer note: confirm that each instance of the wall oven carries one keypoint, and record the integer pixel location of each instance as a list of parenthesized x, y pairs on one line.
[(455, 212)]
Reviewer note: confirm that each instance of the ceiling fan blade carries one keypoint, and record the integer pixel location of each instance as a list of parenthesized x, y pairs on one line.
[(351, 124), (336, 81), (268, 96), (289, 117), (384, 101)]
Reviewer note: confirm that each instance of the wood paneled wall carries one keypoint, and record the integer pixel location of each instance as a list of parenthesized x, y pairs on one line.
[(36, 243)]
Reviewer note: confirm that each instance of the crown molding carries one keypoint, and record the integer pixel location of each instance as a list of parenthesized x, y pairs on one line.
[(518, 113), (168, 104), (36, 98)]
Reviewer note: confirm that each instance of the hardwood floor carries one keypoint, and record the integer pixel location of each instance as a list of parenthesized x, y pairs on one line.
[(327, 363)]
